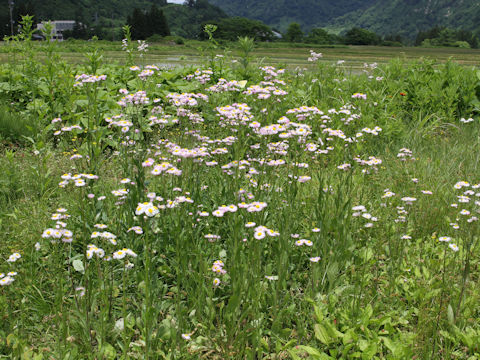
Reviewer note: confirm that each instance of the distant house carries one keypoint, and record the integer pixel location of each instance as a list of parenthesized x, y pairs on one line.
[(59, 26), (277, 34)]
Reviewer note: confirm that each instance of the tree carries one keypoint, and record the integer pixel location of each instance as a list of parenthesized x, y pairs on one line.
[(294, 33), (442, 36), (157, 23), (358, 36), (321, 36), (428, 34), (232, 28), (468, 36), (138, 24), (23, 9), (392, 40), (145, 24)]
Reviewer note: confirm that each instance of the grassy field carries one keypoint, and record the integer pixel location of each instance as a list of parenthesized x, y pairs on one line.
[(276, 53), (226, 208)]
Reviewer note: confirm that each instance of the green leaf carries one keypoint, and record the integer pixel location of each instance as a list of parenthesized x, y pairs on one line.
[(294, 355), (78, 266), (289, 344), (315, 353), (264, 344), (367, 314), (349, 336), (321, 334), (370, 351), (81, 103), (332, 331), (366, 254), (108, 351), (318, 312), (450, 315), (310, 350), (390, 345)]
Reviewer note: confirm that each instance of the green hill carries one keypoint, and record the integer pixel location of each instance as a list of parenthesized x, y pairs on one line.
[(183, 20), (279, 13), (405, 17)]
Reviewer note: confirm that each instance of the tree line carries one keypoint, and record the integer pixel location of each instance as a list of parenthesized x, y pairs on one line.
[(438, 36), (146, 23)]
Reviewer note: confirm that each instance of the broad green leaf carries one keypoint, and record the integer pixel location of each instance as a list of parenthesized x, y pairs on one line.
[(108, 352), (311, 351), (332, 331), (294, 355), (78, 266), (322, 334), (289, 344), (318, 313), (450, 315), (394, 346), (315, 353), (264, 344), (370, 351), (349, 336)]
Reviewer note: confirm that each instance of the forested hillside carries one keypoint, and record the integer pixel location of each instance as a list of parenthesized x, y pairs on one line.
[(88, 10), (279, 13), (405, 17), (110, 15)]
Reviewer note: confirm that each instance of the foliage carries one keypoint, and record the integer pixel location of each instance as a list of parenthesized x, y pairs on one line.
[(357, 36), (442, 36), (280, 13), (322, 36), (294, 33), (146, 24), (405, 18), (188, 21), (104, 19), (232, 28), (15, 128), (236, 210)]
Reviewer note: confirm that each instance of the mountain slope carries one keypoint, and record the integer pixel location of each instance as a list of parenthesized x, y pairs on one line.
[(405, 17), (183, 20), (86, 9), (279, 13)]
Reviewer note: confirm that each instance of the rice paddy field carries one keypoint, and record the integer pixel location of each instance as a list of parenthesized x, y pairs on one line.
[(170, 54), (169, 202)]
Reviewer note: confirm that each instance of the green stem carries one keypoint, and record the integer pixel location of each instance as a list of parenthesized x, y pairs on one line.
[(124, 310), (148, 301)]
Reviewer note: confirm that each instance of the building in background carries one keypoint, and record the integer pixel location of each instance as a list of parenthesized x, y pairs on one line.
[(59, 26)]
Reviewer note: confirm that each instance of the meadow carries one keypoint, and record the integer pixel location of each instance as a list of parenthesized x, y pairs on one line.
[(234, 209)]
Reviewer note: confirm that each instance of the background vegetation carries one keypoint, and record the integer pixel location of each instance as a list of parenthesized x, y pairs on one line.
[(363, 188)]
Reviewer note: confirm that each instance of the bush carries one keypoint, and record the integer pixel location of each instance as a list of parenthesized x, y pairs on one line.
[(358, 36), (155, 38), (462, 44), (14, 128)]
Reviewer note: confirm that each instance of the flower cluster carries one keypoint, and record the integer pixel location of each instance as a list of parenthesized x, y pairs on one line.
[(82, 79), (314, 56)]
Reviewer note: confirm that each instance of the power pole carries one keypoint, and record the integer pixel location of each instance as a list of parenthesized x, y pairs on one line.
[(10, 5)]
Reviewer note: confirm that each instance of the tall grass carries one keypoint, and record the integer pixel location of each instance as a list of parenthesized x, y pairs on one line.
[(298, 213)]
